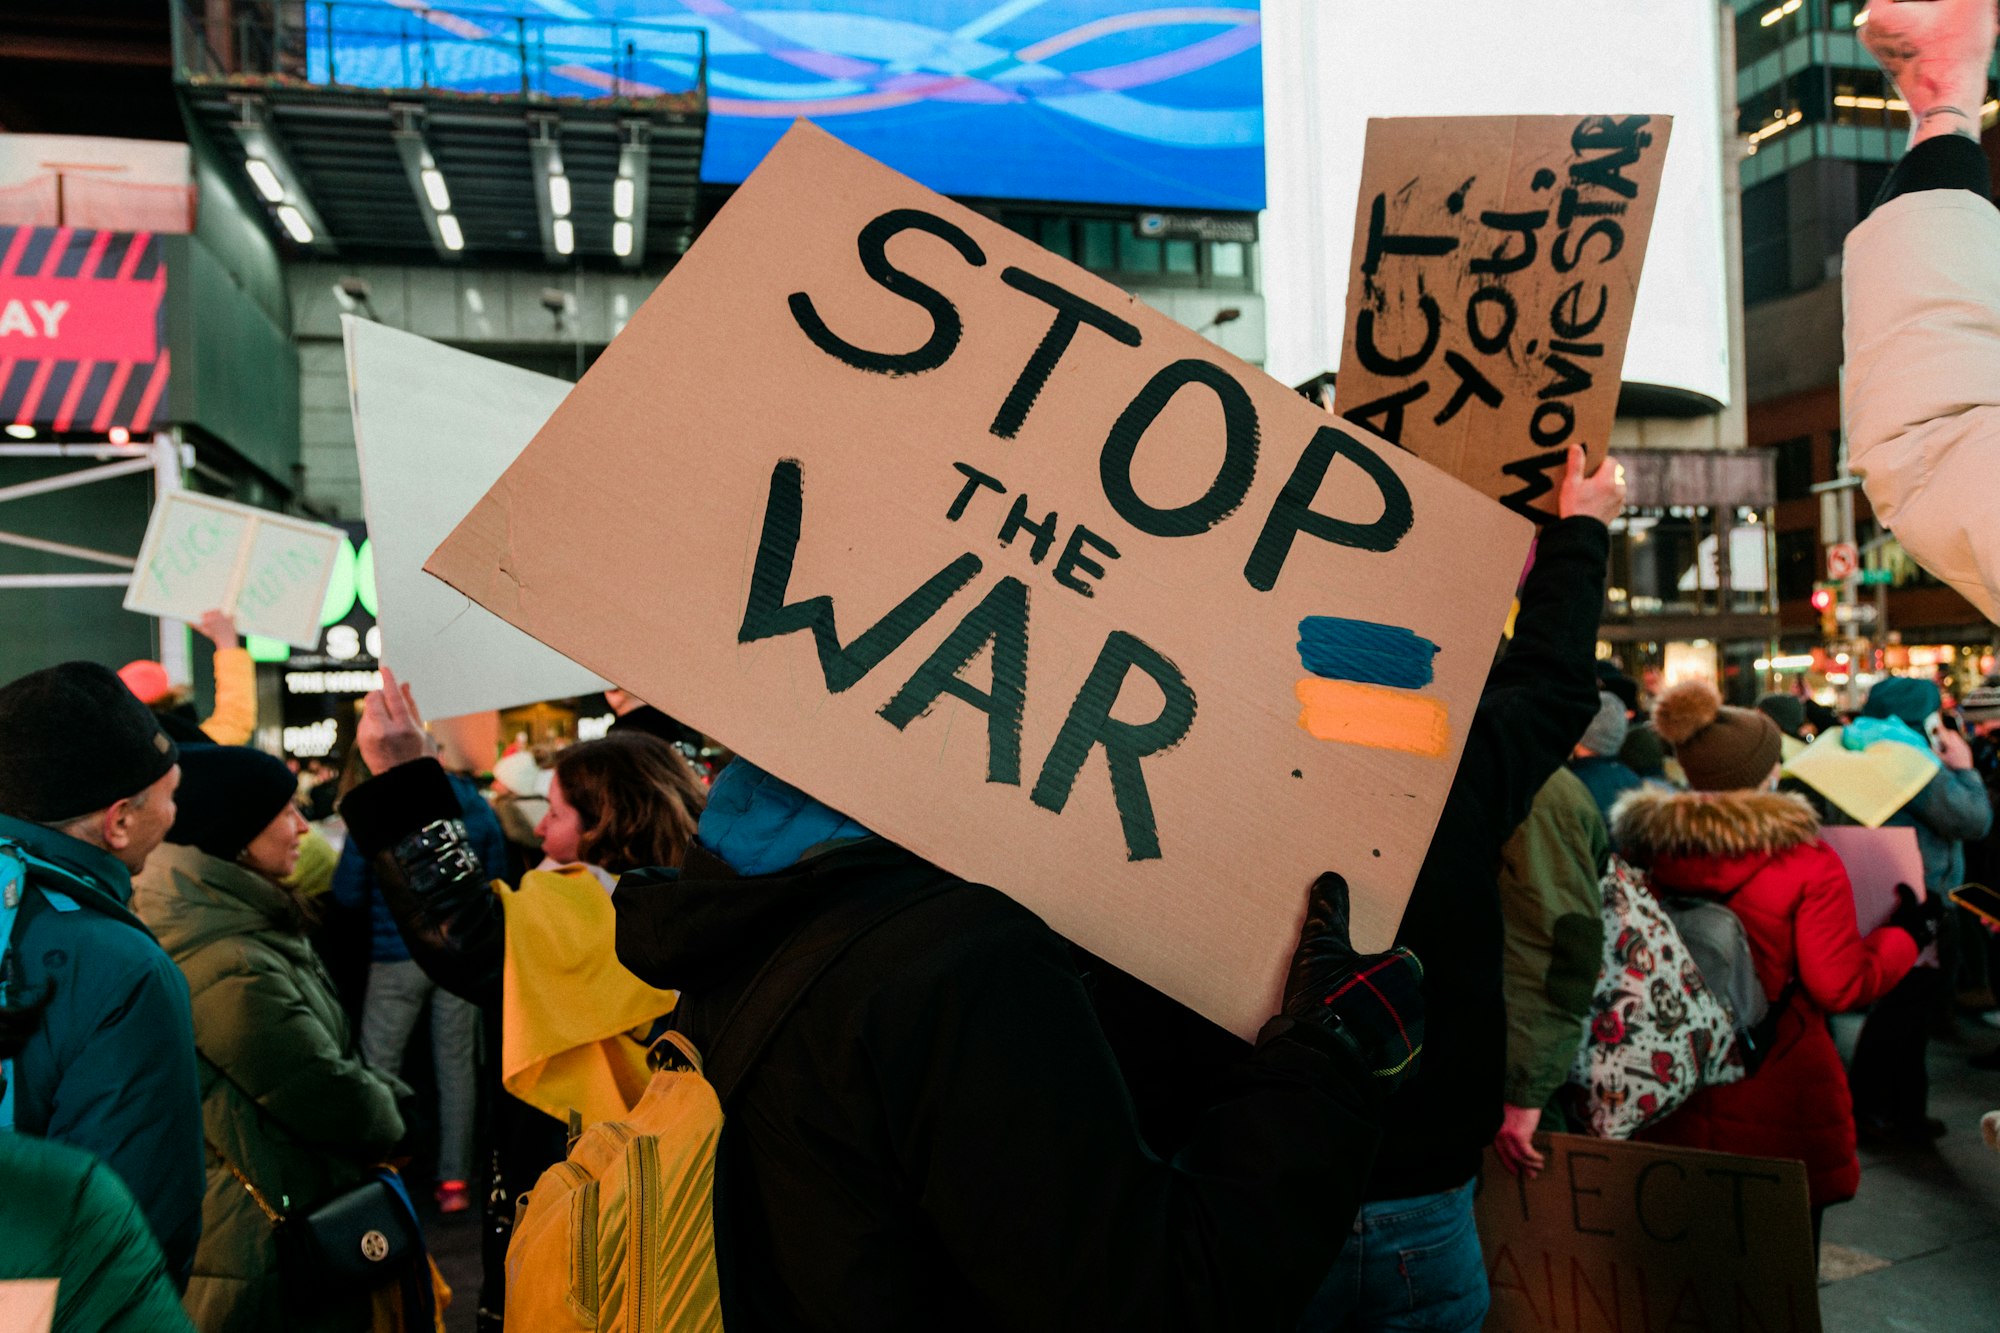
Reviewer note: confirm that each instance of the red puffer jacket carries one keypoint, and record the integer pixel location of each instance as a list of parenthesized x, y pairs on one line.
[(1761, 853)]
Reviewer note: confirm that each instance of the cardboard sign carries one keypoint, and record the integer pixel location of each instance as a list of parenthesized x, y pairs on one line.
[(267, 571), (434, 428), (1869, 785), (1495, 268), (28, 1305), (1618, 1235), (1022, 575), (1877, 860)]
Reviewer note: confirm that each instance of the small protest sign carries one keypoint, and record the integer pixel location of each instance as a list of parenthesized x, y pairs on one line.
[(1620, 1235), (1495, 269), (268, 571), (1868, 784), (28, 1305), (965, 542), (434, 427), (1877, 860)]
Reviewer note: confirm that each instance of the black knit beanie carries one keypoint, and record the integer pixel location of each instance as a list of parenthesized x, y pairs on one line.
[(73, 739), (228, 795)]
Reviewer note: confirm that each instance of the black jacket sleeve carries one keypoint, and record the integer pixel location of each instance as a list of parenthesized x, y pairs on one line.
[(409, 825), (1542, 694), (1019, 1133), (1948, 162)]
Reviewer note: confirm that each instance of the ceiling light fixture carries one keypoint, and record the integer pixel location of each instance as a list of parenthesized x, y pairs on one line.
[(295, 224), (265, 179), (435, 191)]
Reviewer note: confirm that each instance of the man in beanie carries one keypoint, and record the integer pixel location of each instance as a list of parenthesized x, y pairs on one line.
[(1888, 1075), (1595, 759), (98, 1025)]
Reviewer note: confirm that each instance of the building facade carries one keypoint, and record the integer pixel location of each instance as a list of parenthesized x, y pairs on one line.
[(1823, 128)]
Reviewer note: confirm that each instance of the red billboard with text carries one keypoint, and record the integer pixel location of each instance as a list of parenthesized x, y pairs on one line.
[(82, 329)]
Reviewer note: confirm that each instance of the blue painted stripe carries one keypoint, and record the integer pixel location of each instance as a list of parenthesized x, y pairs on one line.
[(1365, 652)]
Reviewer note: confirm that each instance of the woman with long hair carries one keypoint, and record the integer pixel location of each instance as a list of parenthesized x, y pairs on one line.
[(292, 1115), (621, 803), (571, 1025)]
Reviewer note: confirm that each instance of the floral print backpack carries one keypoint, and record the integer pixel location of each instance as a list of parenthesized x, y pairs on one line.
[(1657, 1032)]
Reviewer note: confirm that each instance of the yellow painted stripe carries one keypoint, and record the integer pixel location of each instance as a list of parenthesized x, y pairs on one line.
[(1383, 719)]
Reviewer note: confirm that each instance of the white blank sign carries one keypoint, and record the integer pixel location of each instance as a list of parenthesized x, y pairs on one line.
[(434, 428), (266, 571)]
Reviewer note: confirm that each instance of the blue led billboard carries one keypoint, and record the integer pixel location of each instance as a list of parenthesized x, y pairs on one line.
[(1095, 101)]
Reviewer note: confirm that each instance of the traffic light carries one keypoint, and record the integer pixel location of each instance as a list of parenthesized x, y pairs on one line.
[(1825, 602)]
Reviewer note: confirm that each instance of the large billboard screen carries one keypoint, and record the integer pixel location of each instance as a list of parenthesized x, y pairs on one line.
[(1088, 101), (1333, 66)]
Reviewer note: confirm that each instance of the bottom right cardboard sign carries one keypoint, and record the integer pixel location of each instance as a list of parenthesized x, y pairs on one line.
[(1631, 1236)]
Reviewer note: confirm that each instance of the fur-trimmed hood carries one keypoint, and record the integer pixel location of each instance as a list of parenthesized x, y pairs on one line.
[(1649, 824)]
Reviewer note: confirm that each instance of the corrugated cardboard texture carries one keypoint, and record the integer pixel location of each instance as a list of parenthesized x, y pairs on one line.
[(1615, 1235), (1495, 268), (646, 532)]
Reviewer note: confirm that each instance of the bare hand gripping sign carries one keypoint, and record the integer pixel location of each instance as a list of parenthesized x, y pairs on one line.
[(1020, 574), (1496, 265)]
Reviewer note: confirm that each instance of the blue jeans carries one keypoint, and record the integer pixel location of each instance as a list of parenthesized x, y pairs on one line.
[(1411, 1265)]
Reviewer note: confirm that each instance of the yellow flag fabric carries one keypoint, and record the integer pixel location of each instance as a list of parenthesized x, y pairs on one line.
[(573, 1020), (1871, 784)]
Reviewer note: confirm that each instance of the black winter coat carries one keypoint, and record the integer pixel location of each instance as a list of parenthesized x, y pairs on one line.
[(1537, 702), (939, 1138)]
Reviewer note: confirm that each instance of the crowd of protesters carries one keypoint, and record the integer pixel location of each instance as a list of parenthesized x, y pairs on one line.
[(215, 965)]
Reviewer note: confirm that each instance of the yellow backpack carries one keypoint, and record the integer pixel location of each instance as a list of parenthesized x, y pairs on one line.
[(620, 1236)]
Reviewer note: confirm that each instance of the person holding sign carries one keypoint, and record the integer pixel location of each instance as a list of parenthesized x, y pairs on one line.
[(1537, 702), (537, 961), (937, 1135), (1923, 304), (235, 713)]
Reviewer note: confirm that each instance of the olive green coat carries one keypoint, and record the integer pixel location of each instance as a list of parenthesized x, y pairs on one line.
[(286, 1098), (1549, 873)]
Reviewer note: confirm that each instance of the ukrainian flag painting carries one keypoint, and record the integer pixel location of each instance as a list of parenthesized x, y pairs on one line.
[(1364, 687)]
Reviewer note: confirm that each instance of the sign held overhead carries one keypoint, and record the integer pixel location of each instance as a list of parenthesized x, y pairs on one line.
[(1495, 269), (1020, 574), (267, 571), (434, 427)]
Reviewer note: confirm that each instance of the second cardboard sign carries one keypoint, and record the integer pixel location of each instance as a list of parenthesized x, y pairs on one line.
[(1495, 269)]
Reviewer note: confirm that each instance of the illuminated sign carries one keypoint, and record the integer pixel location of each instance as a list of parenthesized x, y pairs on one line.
[(1101, 101), (82, 345)]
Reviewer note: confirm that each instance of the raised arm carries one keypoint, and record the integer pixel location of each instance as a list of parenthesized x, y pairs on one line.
[(407, 822), (1542, 693)]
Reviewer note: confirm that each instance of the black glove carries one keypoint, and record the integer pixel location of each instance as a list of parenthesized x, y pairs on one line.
[(1373, 1003), (1918, 918)]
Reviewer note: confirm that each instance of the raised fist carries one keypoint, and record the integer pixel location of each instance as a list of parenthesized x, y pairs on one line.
[(1937, 51)]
